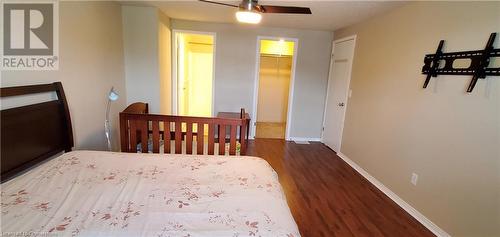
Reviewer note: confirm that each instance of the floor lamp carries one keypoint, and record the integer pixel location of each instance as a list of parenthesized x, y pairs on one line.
[(112, 96)]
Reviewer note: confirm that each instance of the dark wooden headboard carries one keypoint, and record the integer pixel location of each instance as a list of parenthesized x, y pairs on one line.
[(33, 133)]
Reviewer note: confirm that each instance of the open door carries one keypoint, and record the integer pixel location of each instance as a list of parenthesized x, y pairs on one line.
[(273, 89), (194, 74), (338, 91)]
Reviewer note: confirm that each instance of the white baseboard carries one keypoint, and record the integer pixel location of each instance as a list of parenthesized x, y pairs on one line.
[(407, 207), (304, 139)]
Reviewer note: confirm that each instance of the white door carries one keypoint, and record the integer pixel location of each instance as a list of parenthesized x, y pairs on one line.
[(338, 90)]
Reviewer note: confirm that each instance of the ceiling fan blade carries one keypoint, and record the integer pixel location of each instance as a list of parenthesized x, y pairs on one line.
[(219, 3), (283, 9)]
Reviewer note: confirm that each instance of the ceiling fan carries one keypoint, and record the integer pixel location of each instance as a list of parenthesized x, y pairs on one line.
[(250, 10)]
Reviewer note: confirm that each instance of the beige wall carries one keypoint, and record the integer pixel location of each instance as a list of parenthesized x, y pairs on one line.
[(147, 43), (235, 70), (91, 61), (393, 127), (165, 63), (140, 41)]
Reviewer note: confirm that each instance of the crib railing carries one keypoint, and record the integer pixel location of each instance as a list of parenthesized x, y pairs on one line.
[(150, 131)]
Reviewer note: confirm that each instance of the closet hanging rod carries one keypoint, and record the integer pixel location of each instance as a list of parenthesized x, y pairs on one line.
[(200, 43), (275, 55)]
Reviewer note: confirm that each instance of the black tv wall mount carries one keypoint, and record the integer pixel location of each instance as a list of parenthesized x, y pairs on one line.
[(478, 68)]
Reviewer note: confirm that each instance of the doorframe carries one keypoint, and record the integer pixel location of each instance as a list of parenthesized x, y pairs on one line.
[(174, 66), (290, 88), (330, 74)]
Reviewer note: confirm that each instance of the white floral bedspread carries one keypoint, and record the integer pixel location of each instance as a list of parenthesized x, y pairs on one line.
[(90, 193)]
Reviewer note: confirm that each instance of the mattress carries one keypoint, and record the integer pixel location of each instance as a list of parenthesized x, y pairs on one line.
[(91, 193)]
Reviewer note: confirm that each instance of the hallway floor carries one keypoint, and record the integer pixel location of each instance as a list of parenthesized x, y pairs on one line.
[(270, 130)]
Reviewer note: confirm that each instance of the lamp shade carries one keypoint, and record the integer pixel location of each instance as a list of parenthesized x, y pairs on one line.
[(113, 96), (250, 17)]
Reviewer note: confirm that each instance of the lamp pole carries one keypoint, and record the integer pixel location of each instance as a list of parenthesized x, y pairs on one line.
[(106, 125), (112, 96)]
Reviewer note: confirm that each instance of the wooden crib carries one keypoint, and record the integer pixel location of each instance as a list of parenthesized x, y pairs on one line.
[(137, 126)]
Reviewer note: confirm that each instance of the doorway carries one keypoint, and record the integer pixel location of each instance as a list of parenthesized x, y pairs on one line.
[(338, 91), (194, 73), (275, 73)]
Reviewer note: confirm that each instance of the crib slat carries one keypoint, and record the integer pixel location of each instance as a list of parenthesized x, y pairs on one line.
[(166, 137), (178, 137), (156, 136), (136, 129), (211, 137), (144, 136), (200, 138), (222, 139), (133, 136), (189, 138), (243, 142), (232, 141)]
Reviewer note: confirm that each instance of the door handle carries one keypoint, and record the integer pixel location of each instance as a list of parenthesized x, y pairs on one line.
[(341, 104)]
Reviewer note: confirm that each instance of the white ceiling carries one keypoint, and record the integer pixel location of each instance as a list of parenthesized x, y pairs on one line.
[(327, 15)]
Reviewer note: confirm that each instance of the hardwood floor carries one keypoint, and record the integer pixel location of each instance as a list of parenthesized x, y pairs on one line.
[(329, 198), (270, 130)]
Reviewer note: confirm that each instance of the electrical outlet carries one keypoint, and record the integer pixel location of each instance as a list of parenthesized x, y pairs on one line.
[(414, 179)]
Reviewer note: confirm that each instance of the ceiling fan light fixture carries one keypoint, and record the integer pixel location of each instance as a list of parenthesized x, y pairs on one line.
[(250, 17)]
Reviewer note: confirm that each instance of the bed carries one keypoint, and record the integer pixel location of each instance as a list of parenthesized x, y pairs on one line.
[(95, 193)]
